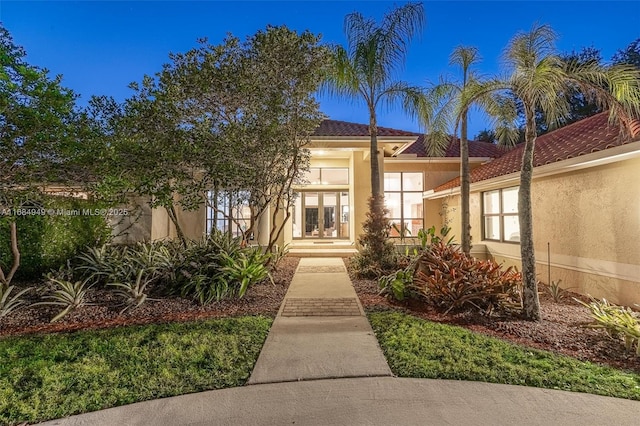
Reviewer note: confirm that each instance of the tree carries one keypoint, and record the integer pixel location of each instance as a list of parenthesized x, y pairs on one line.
[(536, 75), (366, 71), (450, 96), (486, 135), (38, 136), (630, 55), (233, 119)]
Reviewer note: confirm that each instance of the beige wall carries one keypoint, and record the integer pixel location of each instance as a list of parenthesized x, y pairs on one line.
[(591, 220), (361, 192)]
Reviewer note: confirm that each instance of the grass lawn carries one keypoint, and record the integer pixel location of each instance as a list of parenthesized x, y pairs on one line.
[(51, 376), (419, 348)]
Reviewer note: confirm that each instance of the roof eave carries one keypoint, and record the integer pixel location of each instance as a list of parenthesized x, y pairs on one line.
[(594, 159)]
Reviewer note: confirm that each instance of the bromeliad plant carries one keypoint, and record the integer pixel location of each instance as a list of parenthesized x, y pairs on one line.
[(69, 295), (449, 279), (9, 303), (246, 269), (618, 322)]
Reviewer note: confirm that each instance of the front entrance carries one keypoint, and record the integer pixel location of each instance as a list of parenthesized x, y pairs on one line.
[(321, 214)]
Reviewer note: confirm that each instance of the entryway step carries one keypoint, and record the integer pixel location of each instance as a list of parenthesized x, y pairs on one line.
[(306, 307)]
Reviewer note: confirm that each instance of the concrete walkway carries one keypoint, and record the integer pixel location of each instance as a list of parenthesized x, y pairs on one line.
[(321, 365), (371, 401), (321, 331)]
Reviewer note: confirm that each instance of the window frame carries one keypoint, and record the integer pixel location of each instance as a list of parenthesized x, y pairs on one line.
[(404, 219), (501, 215), (320, 170), (232, 215)]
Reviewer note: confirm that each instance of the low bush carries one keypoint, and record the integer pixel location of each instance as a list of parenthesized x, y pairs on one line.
[(47, 241), (618, 322), (377, 254), (218, 267), (399, 285), (449, 279)]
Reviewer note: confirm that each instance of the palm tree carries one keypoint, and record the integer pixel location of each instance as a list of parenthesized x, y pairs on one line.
[(367, 69), (449, 96), (537, 78)]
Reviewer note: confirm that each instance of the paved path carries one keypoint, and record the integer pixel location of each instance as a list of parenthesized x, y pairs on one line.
[(321, 331), (316, 368), (371, 401)]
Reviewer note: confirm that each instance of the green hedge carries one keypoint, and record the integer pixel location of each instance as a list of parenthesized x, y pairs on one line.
[(47, 241)]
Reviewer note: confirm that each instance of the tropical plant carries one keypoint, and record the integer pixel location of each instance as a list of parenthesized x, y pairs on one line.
[(429, 237), (366, 70), (134, 293), (277, 254), (617, 321), (556, 292), (10, 303), (399, 284), (69, 295), (244, 270), (452, 110), (100, 264), (537, 74), (448, 278)]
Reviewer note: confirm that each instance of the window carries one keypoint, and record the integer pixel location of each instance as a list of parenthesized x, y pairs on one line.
[(328, 176), (228, 212), (403, 198), (500, 215)]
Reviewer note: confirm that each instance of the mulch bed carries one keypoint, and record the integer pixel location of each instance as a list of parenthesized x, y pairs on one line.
[(561, 329), (264, 298)]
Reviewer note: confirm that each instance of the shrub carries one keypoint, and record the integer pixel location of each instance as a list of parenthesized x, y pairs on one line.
[(47, 241), (449, 279), (617, 321), (399, 284), (377, 254), (216, 268)]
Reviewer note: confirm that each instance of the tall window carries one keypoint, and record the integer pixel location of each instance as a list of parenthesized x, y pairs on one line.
[(403, 198), (500, 215), (228, 212)]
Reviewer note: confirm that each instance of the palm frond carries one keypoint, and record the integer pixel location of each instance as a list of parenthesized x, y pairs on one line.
[(464, 57)]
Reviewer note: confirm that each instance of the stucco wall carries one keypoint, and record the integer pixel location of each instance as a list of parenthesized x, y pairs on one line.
[(591, 220)]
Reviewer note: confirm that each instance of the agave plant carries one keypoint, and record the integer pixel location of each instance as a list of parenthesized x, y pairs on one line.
[(10, 303), (69, 295)]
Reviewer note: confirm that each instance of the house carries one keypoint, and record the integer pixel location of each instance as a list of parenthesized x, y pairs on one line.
[(586, 201), (586, 209)]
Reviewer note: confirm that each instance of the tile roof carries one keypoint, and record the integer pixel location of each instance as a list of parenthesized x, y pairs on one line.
[(476, 149), (344, 128), (583, 137)]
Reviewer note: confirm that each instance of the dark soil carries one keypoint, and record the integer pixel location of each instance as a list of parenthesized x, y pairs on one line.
[(561, 329), (104, 309)]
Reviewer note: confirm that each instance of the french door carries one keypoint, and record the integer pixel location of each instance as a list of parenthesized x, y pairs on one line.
[(321, 214)]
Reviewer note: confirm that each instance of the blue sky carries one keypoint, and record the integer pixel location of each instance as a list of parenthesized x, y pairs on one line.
[(100, 47)]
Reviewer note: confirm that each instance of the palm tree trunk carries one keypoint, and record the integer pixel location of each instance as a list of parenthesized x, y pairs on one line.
[(465, 186), (375, 164), (531, 302)]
